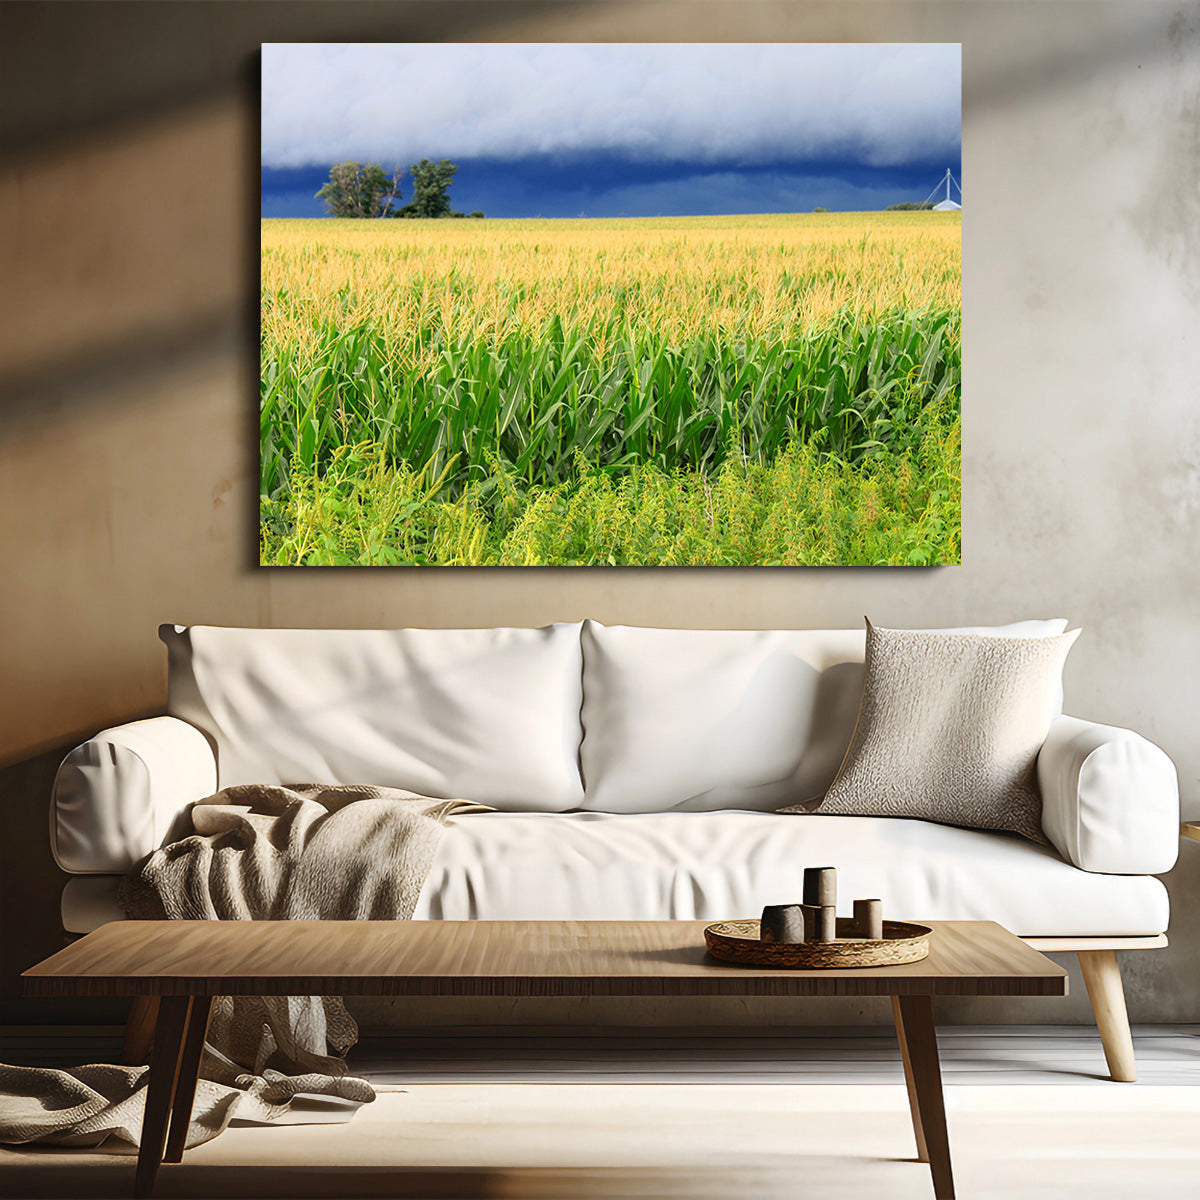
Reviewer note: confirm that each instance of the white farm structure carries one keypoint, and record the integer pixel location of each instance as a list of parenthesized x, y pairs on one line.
[(946, 204)]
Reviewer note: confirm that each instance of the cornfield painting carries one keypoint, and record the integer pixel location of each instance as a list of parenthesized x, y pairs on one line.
[(610, 305)]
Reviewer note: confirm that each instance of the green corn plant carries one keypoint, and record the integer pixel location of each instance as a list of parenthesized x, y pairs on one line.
[(534, 399)]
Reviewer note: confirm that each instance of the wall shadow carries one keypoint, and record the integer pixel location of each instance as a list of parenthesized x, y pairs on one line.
[(114, 62), (30, 886)]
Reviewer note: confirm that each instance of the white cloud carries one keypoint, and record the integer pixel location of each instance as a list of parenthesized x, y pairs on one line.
[(710, 102)]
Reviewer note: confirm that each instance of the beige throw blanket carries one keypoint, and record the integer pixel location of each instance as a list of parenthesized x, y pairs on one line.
[(306, 852)]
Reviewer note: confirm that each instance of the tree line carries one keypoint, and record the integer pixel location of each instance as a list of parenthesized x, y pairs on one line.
[(358, 189)]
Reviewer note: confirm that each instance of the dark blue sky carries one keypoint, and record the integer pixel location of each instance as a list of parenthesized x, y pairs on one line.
[(607, 185)]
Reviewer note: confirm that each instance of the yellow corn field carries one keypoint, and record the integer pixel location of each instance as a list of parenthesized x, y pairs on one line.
[(560, 358)]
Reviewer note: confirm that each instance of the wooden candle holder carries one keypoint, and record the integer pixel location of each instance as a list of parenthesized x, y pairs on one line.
[(782, 923), (820, 922), (820, 886), (868, 918)]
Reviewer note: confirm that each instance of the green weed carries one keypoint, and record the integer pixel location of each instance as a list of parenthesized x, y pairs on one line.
[(803, 508)]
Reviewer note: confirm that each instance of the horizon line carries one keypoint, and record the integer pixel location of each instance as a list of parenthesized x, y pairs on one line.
[(824, 212)]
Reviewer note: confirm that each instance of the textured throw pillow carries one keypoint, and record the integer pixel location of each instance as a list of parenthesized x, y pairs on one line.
[(949, 729)]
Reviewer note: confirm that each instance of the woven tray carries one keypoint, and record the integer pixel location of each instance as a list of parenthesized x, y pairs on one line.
[(737, 942)]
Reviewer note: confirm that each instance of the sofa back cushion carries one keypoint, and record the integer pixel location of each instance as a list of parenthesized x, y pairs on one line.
[(700, 720), (490, 715)]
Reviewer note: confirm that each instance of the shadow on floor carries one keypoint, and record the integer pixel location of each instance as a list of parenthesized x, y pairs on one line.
[(36, 1178)]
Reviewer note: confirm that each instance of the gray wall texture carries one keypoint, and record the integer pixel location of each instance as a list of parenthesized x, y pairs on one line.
[(128, 366)]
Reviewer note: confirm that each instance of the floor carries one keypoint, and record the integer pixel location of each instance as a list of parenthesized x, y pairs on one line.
[(820, 1113), (1031, 1055)]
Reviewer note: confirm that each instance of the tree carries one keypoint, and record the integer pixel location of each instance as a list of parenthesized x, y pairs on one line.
[(358, 190), (431, 189)]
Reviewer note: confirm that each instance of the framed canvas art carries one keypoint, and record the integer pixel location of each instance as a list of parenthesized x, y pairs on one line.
[(610, 304)]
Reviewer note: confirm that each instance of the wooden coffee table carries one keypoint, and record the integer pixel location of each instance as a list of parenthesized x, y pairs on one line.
[(186, 963)]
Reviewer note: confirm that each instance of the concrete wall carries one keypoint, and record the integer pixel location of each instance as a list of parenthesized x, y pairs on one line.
[(128, 281)]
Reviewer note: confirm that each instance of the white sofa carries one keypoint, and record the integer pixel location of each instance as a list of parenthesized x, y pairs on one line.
[(636, 774)]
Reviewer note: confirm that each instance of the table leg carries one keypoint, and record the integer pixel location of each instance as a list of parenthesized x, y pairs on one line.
[(913, 1107), (918, 1045), (189, 1072), (160, 1088), (139, 1030)]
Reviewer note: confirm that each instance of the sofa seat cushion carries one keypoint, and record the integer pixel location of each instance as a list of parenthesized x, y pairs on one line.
[(714, 866)]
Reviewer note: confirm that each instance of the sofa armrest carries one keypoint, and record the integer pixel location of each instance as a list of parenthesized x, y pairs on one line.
[(116, 796), (1110, 798)]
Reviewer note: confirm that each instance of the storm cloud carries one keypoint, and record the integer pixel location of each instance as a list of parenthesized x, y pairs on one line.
[(719, 104)]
